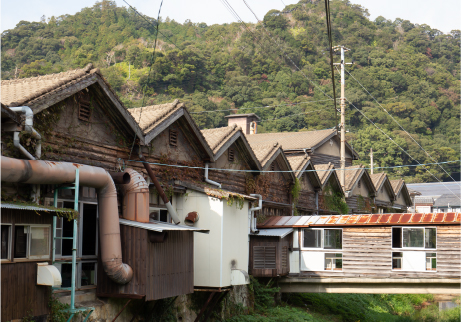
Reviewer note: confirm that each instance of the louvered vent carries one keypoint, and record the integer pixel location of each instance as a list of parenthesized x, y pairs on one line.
[(264, 257), (359, 184), (84, 109), (173, 138), (273, 166), (284, 257), (231, 155)]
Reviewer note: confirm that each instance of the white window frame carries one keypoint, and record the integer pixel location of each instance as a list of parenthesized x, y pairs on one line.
[(403, 248), (436, 262), (328, 250), (29, 240), (151, 209), (10, 243), (401, 262), (324, 263)]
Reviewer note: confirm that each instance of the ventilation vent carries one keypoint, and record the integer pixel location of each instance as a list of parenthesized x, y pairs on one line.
[(231, 155), (273, 166), (264, 257), (173, 138), (284, 257), (84, 109), (359, 185)]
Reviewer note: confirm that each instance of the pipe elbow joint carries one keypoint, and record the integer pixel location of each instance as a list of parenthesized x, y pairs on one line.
[(118, 272)]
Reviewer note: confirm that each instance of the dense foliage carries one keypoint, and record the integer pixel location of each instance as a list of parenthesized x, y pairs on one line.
[(412, 70)]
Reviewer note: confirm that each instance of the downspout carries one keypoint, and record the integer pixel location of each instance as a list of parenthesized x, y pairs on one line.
[(317, 201), (159, 189), (208, 180), (47, 172), (252, 216), (29, 123)]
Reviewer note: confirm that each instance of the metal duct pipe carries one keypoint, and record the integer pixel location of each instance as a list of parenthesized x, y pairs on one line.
[(159, 189), (208, 180), (120, 177), (135, 197), (29, 128), (252, 210), (48, 172)]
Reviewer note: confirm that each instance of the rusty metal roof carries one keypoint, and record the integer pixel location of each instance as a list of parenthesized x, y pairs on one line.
[(358, 220)]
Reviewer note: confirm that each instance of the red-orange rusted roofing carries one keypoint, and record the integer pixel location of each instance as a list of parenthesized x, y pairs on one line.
[(359, 220)]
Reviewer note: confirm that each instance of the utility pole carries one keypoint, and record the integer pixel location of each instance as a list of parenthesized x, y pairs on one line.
[(371, 160), (342, 178)]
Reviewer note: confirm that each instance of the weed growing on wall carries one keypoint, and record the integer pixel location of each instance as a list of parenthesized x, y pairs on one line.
[(333, 200)]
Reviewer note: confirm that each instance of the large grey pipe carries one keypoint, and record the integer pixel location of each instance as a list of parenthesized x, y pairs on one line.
[(29, 128), (49, 172)]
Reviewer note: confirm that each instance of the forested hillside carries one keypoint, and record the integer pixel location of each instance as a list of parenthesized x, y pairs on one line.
[(280, 64)]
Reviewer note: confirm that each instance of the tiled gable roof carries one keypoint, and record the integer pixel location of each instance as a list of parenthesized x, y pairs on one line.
[(377, 179), (397, 185), (324, 171), (265, 152), (148, 117), (297, 162), (353, 173), (217, 137), (292, 140)]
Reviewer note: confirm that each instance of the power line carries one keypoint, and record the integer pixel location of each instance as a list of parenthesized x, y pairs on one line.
[(283, 171), (330, 45), (399, 145), (399, 124)]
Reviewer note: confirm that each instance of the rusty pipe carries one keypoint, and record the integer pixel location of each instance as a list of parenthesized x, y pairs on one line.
[(159, 189), (135, 197), (120, 177), (49, 172)]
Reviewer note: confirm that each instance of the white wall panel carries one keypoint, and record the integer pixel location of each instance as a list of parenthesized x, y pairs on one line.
[(414, 261), (312, 261)]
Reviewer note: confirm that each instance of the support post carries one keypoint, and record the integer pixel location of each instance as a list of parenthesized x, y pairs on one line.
[(371, 160), (74, 243)]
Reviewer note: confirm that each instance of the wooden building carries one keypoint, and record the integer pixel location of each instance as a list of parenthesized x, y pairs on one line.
[(269, 252), (309, 184), (358, 190), (376, 246), (26, 241), (384, 193), (330, 186), (402, 197)]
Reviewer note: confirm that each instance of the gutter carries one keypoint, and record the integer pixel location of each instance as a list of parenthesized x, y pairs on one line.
[(208, 180), (49, 172), (251, 211)]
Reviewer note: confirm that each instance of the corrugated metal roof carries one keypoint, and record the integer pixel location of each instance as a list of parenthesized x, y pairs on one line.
[(278, 232), (30, 207), (357, 220), (160, 226)]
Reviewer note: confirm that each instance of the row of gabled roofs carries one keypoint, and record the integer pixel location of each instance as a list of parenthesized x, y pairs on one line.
[(147, 122)]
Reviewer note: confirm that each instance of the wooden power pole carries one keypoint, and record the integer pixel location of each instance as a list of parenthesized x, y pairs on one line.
[(342, 178), (371, 160)]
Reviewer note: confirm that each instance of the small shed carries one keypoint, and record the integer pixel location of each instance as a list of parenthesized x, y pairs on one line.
[(161, 256), (269, 252)]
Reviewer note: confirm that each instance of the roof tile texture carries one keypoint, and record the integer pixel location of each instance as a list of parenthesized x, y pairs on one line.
[(219, 136)]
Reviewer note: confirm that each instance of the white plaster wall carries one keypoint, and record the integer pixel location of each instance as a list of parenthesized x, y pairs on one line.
[(235, 240), (312, 261), (414, 261), (207, 247), (294, 262)]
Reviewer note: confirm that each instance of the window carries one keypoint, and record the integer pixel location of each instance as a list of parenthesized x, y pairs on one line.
[(334, 262), (431, 261), (87, 274), (173, 138), (397, 260), (32, 241), (84, 107), (6, 242), (322, 238), (159, 214), (414, 237), (231, 155)]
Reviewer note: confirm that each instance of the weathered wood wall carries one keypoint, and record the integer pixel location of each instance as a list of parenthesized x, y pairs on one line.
[(282, 262), (360, 205), (367, 252), (318, 158), (21, 296)]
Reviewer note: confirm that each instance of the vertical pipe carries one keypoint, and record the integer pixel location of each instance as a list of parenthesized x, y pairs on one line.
[(343, 123), (74, 243), (55, 204)]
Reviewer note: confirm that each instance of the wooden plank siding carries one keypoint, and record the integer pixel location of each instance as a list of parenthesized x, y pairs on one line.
[(358, 206), (367, 252), (21, 296), (160, 270), (319, 158), (282, 262)]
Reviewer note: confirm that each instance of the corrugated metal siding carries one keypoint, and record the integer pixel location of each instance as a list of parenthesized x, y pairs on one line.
[(170, 266)]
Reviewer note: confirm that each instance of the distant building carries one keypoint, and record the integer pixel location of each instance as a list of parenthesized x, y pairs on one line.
[(435, 196), (447, 203)]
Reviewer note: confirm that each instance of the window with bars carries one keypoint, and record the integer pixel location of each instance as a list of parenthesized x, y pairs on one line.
[(84, 107), (264, 257), (231, 155), (173, 138)]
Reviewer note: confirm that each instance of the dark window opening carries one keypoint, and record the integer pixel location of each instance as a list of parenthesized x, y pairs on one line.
[(430, 238), (413, 237), (67, 231), (66, 275), (397, 237), (173, 138), (397, 260), (84, 107), (20, 241), (88, 276), (89, 229), (231, 155), (312, 238), (5, 241), (333, 239)]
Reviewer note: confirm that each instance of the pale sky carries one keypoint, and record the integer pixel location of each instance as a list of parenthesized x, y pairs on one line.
[(444, 15)]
